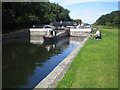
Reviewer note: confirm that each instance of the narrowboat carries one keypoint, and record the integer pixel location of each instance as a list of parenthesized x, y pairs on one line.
[(56, 33)]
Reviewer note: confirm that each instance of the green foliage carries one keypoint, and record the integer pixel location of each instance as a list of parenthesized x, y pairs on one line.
[(78, 21), (86, 24), (108, 23), (24, 14), (111, 19)]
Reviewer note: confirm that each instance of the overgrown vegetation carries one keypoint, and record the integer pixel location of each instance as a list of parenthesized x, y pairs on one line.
[(96, 65), (25, 14)]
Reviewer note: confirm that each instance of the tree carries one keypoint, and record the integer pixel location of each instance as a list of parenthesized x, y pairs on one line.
[(108, 23), (109, 19), (78, 21), (25, 14)]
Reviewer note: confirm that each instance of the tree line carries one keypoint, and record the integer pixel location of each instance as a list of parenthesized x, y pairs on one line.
[(111, 19), (25, 14)]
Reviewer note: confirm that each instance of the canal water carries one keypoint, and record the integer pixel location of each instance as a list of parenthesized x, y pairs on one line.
[(28, 60)]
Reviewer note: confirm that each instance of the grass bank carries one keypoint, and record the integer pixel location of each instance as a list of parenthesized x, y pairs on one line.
[(96, 65)]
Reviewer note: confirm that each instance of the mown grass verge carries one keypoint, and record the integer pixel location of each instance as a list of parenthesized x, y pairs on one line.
[(96, 65)]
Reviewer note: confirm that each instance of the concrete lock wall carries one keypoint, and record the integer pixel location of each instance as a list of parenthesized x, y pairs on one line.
[(73, 32), (78, 33), (38, 31)]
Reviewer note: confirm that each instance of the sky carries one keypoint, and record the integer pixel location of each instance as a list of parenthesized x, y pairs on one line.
[(88, 10)]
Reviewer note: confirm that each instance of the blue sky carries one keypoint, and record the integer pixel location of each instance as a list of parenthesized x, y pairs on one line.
[(88, 10)]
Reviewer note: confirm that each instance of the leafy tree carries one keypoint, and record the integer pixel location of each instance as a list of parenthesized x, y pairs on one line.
[(24, 14), (109, 19), (78, 21), (108, 23)]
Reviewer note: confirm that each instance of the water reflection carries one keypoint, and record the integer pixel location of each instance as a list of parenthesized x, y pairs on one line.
[(55, 43), (36, 39), (26, 61)]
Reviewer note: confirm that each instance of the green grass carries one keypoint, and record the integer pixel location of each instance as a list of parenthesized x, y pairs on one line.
[(96, 65)]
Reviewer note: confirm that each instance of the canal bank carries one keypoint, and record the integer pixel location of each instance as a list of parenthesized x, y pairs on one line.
[(58, 73), (16, 34)]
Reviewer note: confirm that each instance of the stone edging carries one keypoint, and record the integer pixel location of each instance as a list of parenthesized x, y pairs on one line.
[(59, 71)]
